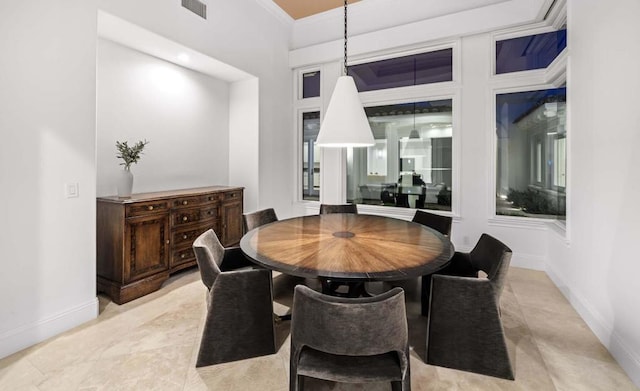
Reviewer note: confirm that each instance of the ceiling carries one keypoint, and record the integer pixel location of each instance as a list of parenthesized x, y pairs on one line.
[(299, 9)]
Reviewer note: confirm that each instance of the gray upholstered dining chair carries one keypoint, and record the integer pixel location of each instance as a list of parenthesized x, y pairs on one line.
[(239, 322), (464, 329), (441, 224), (341, 208), (254, 220), (349, 340), (258, 218)]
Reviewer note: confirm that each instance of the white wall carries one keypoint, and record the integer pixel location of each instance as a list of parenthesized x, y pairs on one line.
[(598, 270), (48, 126), (245, 35), (47, 123), (244, 140), (182, 113)]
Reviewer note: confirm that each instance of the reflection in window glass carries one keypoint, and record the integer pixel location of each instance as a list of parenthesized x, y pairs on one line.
[(538, 162), (423, 68), (530, 52), (559, 157), (311, 84), (410, 164), (531, 148), (310, 156)]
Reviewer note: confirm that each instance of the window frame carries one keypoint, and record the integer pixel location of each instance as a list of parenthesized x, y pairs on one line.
[(329, 72), (410, 53), (311, 155), (299, 85), (554, 76), (424, 92), (299, 167), (420, 94), (302, 105), (519, 34)]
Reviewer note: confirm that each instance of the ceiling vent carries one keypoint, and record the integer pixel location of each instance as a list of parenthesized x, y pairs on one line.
[(197, 7)]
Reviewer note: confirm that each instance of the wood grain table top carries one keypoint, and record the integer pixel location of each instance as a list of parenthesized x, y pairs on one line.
[(348, 247)]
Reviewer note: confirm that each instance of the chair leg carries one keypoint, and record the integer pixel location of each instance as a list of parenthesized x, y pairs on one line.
[(425, 293)]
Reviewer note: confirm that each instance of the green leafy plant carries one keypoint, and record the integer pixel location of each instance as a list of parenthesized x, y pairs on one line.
[(532, 201), (130, 154)]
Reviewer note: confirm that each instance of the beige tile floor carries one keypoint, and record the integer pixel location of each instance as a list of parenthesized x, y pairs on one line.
[(151, 344)]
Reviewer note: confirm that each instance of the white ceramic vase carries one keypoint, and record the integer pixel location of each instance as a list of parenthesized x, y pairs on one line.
[(125, 183)]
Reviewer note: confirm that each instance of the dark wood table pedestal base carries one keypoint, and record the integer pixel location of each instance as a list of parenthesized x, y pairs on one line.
[(355, 288)]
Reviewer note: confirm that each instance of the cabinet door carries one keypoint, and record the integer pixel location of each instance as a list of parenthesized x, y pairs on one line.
[(231, 223), (146, 246)]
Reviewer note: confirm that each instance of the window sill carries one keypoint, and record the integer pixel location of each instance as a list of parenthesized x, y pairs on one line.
[(559, 228), (313, 207), (520, 222)]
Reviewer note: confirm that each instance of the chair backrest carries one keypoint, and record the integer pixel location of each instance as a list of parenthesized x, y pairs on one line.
[(440, 223), (258, 218), (343, 208), (348, 326), (209, 255), (492, 257)]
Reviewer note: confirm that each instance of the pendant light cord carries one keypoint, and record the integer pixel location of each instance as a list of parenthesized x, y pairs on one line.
[(345, 38)]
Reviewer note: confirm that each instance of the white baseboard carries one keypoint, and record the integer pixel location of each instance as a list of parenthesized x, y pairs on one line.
[(628, 360), (22, 337)]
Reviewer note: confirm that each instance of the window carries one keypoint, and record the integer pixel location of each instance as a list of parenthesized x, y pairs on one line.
[(530, 52), (531, 153), (410, 165), (311, 84), (310, 156), (424, 68)]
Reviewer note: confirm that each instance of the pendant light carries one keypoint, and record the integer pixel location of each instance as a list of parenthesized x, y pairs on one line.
[(345, 123)]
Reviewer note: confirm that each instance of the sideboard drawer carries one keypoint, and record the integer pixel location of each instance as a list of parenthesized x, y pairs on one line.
[(233, 195), (186, 238), (146, 208), (181, 256), (188, 216), (190, 202)]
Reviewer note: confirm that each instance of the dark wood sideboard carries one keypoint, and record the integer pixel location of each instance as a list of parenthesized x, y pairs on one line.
[(143, 239)]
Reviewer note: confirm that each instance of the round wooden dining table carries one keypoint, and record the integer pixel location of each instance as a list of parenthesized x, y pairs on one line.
[(348, 247)]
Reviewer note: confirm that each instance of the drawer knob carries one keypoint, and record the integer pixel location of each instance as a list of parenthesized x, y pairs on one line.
[(185, 202), (210, 198), (184, 236), (182, 255), (150, 207), (167, 241), (185, 218), (209, 212)]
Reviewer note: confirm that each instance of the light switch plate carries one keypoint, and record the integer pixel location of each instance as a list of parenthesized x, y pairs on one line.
[(71, 190)]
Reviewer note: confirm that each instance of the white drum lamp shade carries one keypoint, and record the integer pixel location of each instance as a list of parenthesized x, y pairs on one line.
[(345, 123)]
